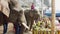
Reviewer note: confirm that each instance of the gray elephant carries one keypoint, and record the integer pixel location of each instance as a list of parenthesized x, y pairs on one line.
[(16, 15), (30, 16), (13, 14), (4, 14)]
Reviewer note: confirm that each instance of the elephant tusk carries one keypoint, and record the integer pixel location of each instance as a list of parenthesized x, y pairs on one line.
[(25, 26)]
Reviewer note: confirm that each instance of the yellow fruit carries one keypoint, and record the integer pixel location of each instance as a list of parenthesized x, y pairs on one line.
[(38, 23)]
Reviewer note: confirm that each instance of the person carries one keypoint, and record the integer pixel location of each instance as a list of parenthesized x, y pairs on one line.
[(32, 6), (58, 19), (56, 22)]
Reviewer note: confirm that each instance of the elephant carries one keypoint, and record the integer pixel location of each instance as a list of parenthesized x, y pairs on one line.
[(30, 16), (13, 15)]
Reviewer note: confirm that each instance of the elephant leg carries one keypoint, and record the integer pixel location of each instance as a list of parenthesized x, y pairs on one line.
[(5, 25), (17, 31), (22, 29)]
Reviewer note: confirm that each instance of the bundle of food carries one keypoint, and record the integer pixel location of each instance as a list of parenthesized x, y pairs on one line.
[(41, 26), (39, 29)]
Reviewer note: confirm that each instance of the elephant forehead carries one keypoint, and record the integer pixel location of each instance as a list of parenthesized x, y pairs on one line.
[(4, 3), (34, 11)]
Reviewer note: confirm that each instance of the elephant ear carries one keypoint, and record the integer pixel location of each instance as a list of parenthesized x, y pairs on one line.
[(1, 7), (11, 4)]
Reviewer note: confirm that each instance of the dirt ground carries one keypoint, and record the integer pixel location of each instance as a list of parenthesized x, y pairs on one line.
[(10, 29)]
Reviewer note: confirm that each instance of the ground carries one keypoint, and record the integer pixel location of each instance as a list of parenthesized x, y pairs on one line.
[(10, 29)]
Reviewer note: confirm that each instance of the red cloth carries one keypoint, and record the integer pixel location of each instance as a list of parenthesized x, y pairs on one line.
[(14, 29), (32, 6)]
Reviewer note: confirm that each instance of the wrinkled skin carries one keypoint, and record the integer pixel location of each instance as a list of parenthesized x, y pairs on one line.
[(4, 12), (15, 19), (3, 18), (30, 17)]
